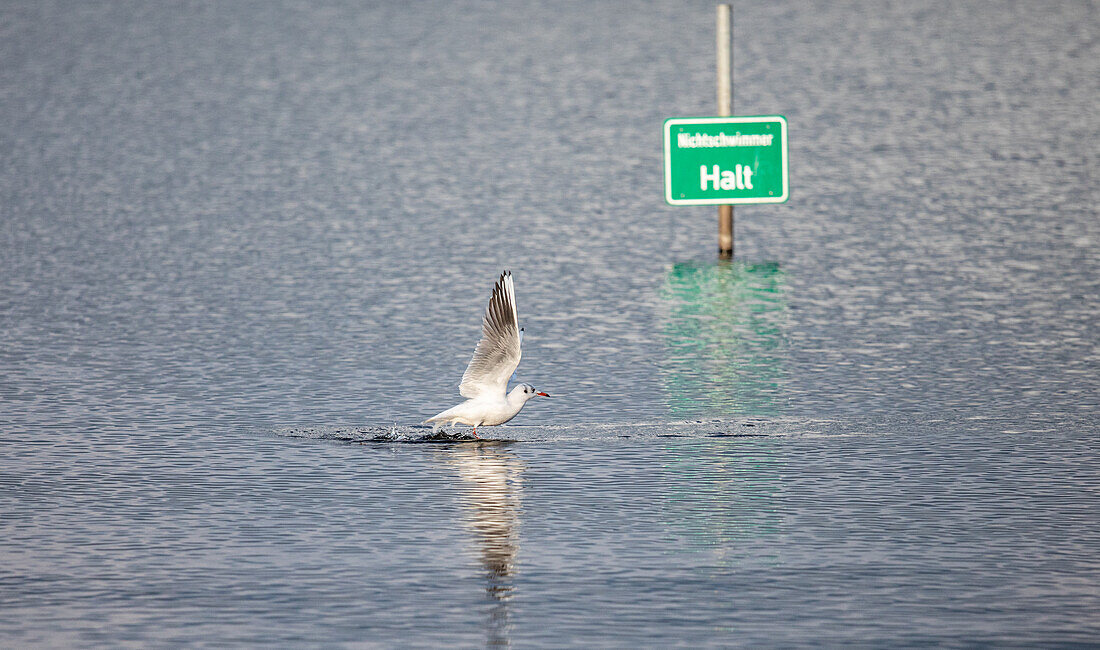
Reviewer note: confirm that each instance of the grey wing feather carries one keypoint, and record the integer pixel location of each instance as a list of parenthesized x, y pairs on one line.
[(498, 352), (513, 377)]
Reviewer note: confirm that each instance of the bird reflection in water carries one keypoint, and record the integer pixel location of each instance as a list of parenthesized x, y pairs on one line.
[(491, 480)]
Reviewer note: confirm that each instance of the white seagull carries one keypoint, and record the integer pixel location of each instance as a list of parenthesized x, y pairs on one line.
[(496, 358)]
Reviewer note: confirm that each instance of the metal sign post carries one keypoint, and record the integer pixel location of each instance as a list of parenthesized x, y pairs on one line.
[(725, 107)]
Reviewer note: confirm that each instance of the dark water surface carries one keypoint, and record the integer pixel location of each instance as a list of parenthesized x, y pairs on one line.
[(244, 248)]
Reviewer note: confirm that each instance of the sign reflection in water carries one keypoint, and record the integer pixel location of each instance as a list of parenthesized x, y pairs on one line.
[(724, 331), (732, 505), (491, 479), (725, 342)]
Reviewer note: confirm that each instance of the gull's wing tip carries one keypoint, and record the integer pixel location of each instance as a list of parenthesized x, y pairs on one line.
[(505, 281)]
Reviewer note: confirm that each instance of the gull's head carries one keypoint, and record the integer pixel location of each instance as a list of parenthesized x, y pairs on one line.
[(527, 391)]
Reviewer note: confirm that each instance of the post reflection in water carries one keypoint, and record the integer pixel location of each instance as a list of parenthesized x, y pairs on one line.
[(733, 504), (725, 342), (490, 487), (724, 329)]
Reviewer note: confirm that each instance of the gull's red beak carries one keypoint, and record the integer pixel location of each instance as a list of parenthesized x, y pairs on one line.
[(542, 394)]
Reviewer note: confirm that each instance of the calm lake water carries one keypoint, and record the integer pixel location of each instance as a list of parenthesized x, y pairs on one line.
[(245, 248)]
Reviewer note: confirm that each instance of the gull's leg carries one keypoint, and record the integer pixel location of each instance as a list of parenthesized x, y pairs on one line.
[(475, 433)]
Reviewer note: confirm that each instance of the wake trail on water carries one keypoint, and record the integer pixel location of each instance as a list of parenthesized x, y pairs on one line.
[(406, 434), (751, 427)]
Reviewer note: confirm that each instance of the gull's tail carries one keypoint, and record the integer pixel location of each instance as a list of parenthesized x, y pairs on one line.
[(440, 419)]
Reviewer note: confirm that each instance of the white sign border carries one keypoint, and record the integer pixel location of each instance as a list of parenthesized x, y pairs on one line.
[(732, 119)]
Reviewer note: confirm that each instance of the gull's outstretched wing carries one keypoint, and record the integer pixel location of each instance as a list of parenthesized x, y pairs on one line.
[(497, 354)]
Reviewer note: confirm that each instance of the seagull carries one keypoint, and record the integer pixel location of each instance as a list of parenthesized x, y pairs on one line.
[(496, 357)]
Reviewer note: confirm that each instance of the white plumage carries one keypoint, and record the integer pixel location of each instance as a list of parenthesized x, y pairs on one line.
[(485, 382)]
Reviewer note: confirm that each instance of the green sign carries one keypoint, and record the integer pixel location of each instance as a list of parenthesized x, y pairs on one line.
[(726, 160)]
